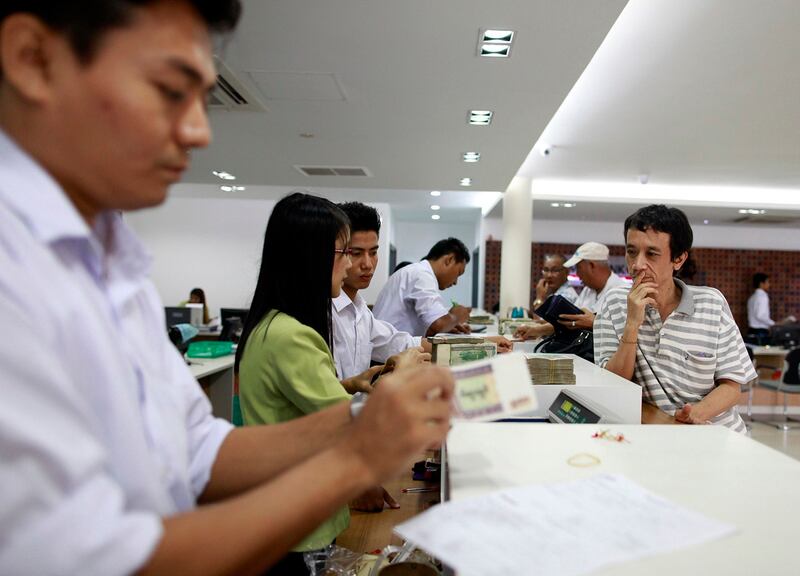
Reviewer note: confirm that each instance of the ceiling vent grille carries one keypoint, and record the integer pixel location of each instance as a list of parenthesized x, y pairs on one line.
[(229, 93), (333, 170)]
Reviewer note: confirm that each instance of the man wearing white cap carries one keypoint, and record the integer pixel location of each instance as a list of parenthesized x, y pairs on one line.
[(591, 264)]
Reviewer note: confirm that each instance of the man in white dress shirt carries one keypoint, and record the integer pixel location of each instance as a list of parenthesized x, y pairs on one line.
[(107, 443), (759, 320), (358, 337), (591, 265), (411, 300)]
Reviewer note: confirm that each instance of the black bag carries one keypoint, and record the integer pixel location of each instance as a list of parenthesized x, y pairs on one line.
[(581, 345)]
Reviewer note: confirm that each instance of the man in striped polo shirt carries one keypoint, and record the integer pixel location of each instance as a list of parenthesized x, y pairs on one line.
[(678, 342)]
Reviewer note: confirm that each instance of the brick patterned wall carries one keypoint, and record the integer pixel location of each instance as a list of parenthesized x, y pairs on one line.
[(730, 271)]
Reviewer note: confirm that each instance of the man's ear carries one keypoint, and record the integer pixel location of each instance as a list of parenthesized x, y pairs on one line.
[(448, 260), (679, 261), (27, 47)]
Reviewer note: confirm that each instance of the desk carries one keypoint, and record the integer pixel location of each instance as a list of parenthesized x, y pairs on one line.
[(709, 469), (370, 531), (620, 396), (215, 375)]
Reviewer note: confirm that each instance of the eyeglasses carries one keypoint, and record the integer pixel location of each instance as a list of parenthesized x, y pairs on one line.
[(552, 270), (344, 251)]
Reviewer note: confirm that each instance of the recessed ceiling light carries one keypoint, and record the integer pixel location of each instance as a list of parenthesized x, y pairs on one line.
[(495, 50), (705, 221), (495, 43), (231, 188), (568, 205), (471, 156), (501, 36), (435, 217), (480, 117), (223, 175), (466, 182), (436, 193), (563, 204), (435, 206), (555, 204), (751, 211)]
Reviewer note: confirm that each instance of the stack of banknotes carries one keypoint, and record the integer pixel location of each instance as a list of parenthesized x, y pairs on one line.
[(551, 368)]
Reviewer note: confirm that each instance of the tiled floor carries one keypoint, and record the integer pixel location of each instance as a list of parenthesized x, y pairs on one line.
[(787, 442)]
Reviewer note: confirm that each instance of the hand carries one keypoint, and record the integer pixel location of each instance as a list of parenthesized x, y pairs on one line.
[(461, 313), (583, 321), (461, 329), (689, 415), (373, 500), (503, 345), (407, 414), (641, 295), (362, 382), (543, 289), (407, 358), (530, 331)]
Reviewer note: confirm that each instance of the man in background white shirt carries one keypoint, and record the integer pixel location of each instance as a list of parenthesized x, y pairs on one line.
[(759, 321), (412, 302)]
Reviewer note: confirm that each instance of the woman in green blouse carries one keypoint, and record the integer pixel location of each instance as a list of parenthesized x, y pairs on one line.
[(284, 358)]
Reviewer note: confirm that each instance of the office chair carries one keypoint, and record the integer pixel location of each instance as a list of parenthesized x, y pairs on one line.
[(789, 383)]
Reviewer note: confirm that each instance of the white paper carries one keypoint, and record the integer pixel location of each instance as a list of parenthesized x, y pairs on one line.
[(564, 529), (493, 389)]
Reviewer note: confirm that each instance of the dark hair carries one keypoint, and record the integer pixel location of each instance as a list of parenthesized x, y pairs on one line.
[(199, 293), (84, 22), (301, 229), (363, 218), (447, 246), (759, 278), (661, 218), (401, 265)]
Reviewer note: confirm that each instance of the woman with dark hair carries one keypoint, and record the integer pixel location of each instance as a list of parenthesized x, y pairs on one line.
[(284, 359), (198, 296)]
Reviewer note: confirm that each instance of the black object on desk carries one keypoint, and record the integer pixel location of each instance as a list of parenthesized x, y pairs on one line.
[(553, 307)]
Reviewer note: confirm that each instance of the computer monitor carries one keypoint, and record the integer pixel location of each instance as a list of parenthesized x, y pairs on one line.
[(232, 321), (195, 314), (787, 336), (177, 315)]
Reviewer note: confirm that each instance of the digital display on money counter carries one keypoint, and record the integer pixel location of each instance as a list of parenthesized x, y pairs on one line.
[(568, 410)]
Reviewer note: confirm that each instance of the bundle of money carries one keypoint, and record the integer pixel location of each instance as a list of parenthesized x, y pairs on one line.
[(459, 349), (481, 319), (510, 325), (551, 368)]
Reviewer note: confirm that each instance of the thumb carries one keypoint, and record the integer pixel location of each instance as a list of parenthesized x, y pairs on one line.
[(391, 502)]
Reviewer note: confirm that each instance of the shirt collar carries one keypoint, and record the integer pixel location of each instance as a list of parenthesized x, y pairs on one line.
[(686, 305), (35, 197), (342, 301), (42, 205)]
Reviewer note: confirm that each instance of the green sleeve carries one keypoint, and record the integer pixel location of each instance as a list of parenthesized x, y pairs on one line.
[(304, 369)]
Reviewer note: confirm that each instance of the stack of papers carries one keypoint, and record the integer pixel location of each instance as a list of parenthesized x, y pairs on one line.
[(563, 529), (551, 368)]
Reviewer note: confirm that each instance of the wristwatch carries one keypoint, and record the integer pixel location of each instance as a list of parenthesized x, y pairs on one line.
[(357, 404)]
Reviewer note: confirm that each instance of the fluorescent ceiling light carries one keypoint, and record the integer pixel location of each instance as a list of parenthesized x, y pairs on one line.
[(480, 117), (231, 188), (751, 211), (435, 206), (436, 193), (223, 175), (466, 182), (555, 204), (495, 50), (501, 36), (435, 217), (471, 156)]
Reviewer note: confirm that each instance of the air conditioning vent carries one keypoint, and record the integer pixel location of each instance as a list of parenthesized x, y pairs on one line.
[(230, 93), (333, 170)]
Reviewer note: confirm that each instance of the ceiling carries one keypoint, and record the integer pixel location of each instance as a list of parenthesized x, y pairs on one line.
[(687, 92), (388, 85)]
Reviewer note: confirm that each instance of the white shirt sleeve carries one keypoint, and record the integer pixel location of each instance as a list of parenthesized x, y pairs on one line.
[(387, 341), (60, 511), (425, 295), (758, 310)]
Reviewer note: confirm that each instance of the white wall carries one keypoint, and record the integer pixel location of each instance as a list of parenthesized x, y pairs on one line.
[(414, 239), (216, 244), (705, 236)]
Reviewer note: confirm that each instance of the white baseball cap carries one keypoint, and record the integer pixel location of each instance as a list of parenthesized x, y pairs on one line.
[(588, 251)]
